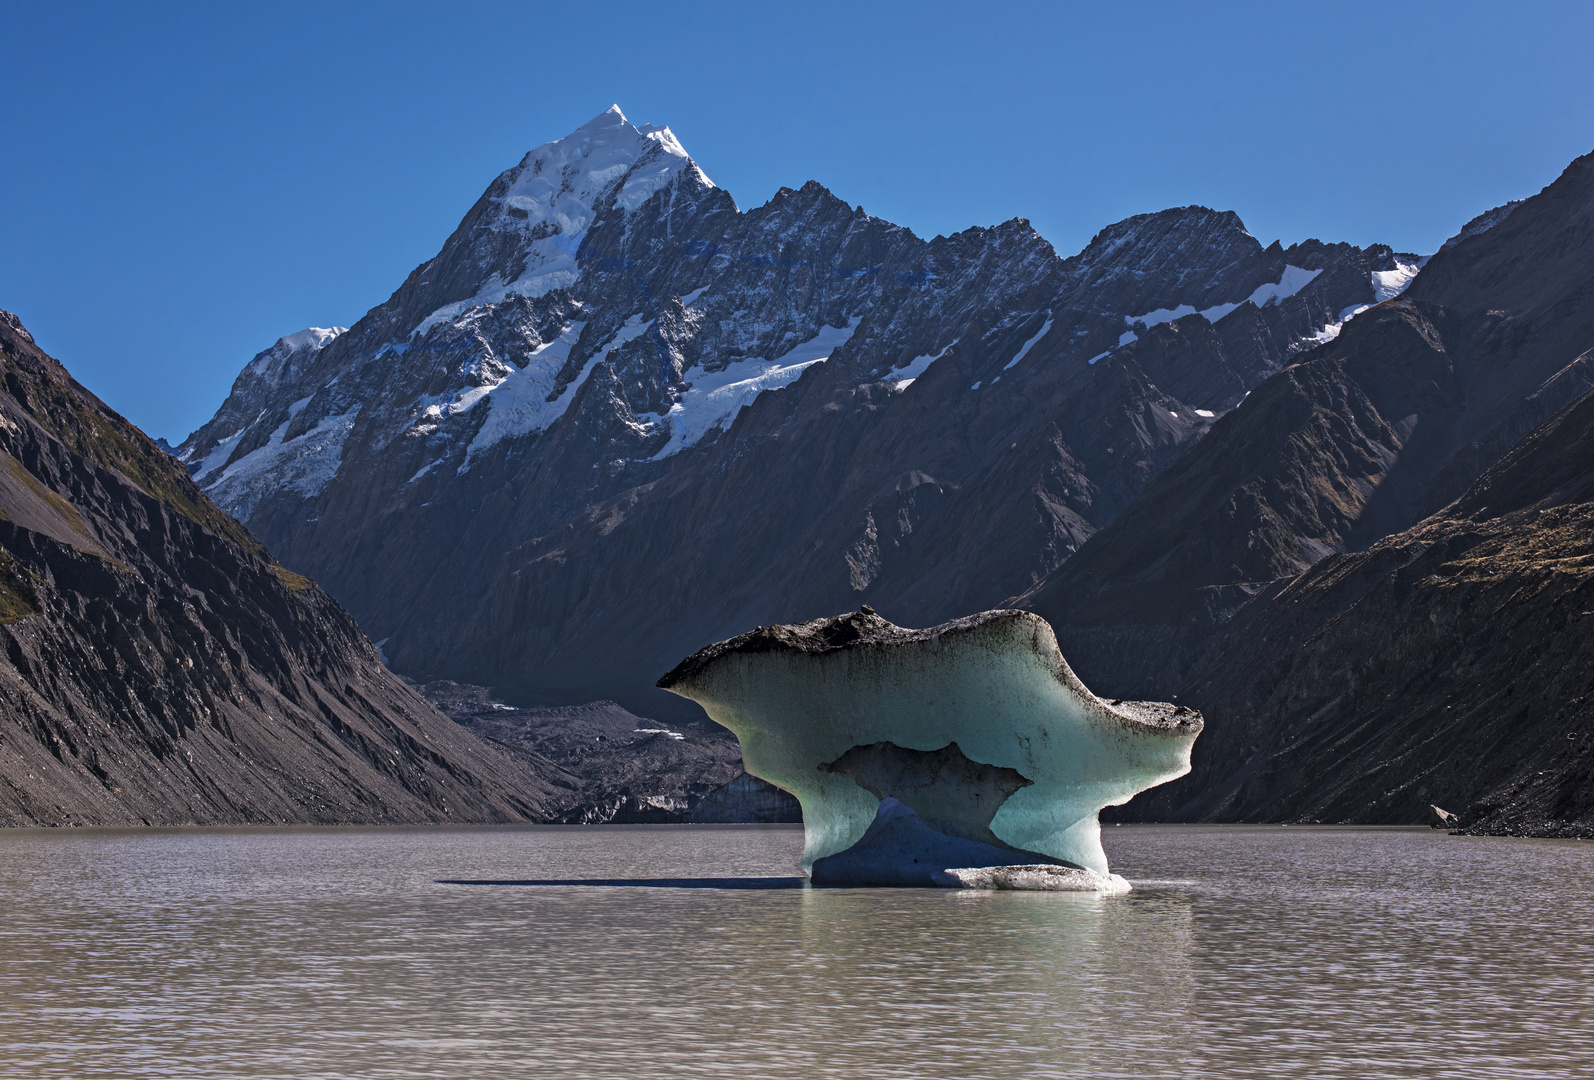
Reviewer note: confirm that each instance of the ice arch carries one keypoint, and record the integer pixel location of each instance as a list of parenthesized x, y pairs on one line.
[(970, 744)]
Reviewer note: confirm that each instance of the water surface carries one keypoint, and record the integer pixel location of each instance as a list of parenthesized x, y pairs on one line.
[(1241, 952)]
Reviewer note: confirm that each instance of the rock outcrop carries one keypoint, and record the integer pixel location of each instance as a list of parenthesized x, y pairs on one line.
[(1451, 663), (157, 666)]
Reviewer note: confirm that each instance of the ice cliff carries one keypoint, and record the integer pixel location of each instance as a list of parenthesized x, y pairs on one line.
[(917, 752)]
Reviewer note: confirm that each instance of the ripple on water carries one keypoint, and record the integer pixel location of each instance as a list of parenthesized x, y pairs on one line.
[(1241, 952)]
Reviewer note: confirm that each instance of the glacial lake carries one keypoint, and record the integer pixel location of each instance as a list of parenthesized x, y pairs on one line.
[(1242, 952)]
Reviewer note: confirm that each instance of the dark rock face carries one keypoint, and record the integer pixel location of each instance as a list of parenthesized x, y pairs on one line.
[(559, 457), (159, 667), (747, 799), (1452, 663), (1370, 576), (1359, 439)]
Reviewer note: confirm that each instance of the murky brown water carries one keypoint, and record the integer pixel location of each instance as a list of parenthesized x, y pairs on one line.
[(334, 953)]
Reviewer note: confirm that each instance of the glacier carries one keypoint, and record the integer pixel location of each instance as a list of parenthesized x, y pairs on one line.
[(920, 756)]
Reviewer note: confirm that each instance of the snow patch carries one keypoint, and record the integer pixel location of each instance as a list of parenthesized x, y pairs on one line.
[(1330, 331), (1160, 316), (519, 403), (1388, 284), (1292, 281), (716, 397), (903, 377), (218, 457), (1101, 355), (1045, 329), (1204, 413), (691, 298), (304, 464)]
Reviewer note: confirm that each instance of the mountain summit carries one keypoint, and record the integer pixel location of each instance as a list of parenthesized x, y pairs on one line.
[(539, 212), (617, 416)]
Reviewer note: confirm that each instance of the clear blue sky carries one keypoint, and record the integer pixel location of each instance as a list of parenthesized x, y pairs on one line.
[(182, 184)]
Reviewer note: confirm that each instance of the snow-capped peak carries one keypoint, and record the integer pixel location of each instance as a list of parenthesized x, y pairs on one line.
[(311, 339), (315, 337), (561, 182), (554, 195)]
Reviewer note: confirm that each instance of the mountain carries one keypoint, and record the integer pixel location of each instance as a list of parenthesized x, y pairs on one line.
[(1451, 663), (157, 666), (617, 416), (1372, 577), (1356, 440)]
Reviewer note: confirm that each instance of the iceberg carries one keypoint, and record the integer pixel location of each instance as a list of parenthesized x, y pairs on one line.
[(966, 755)]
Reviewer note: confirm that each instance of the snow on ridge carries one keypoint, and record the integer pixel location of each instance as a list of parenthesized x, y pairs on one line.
[(312, 338), (903, 377), (1481, 224), (519, 403), (716, 397), (556, 189), (1388, 284), (1292, 281), (316, 337), (1045, 329)]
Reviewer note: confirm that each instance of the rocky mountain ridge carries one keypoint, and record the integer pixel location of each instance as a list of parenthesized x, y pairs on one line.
[(618, 416), (1371, 575), (1359, 439), (158, 667), (1450, 664)]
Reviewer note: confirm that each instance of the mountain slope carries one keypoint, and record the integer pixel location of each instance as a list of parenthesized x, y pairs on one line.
[(1449, 664), (1359, 439), (158, 667), (618, 416)]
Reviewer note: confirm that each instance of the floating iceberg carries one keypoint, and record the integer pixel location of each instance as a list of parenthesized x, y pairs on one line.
[(966, 755)]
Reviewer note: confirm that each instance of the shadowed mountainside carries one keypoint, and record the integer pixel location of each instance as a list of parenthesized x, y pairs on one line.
[(1358, 439), (1450, 664), (1362, 642), (158, 667)]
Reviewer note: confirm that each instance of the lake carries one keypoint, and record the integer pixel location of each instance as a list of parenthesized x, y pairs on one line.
[(1242, 952)]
